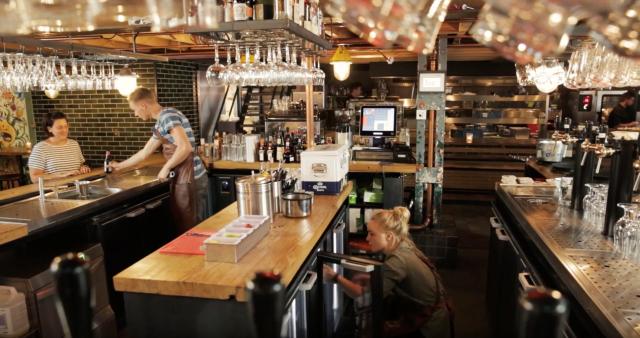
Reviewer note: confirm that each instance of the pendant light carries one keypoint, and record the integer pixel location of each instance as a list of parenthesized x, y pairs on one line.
[(51, 93), (341, 61), (126, 81)]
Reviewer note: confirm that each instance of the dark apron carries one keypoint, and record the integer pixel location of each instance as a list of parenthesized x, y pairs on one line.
[(182, 187)]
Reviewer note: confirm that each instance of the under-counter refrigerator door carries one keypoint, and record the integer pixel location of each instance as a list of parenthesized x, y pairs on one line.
[(362, 316)]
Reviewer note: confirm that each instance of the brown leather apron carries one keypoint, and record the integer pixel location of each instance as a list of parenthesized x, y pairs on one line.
[(182, 185)]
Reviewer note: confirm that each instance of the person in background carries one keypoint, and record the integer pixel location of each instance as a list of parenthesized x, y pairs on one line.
[(355, 90), (415, 301), (624, 114), (172, 131), (58, 155)]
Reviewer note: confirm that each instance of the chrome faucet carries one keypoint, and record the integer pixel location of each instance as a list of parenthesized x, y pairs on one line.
[(41, 187)]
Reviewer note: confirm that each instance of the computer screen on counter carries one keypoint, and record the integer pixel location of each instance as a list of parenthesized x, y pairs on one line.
[(378, 121)]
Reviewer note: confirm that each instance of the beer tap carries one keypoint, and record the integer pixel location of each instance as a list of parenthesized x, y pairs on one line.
[(636, 169), (601, 152)]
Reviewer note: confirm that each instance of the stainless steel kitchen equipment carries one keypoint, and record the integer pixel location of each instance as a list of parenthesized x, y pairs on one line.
[(254, 196), (297, 204), (550, 150)]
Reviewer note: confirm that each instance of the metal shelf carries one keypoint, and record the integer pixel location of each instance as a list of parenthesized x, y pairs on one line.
[(471, 120), (491, 98), (265, 31)]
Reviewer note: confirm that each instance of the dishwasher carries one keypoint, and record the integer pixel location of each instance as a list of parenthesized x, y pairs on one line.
[(127, 234)]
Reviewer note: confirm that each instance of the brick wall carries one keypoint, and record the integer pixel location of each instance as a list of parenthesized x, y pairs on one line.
[(102, 120)]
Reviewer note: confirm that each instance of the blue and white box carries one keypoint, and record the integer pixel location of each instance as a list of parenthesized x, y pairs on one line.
[(324, 168)]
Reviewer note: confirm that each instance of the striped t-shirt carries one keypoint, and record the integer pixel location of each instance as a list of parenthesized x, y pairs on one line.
[(56, 158), (170, 118)]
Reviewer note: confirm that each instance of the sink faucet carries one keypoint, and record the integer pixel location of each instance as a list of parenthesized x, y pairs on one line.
[(41, 187)]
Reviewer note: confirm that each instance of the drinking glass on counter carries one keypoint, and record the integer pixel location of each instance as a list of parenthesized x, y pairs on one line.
[(625, 231), (469, 137), (594, 204)]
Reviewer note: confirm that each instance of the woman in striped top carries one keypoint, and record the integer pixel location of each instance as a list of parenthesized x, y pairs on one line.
[(58, 155)]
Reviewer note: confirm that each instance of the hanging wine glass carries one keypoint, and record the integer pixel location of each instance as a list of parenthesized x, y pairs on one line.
[(213, 72)]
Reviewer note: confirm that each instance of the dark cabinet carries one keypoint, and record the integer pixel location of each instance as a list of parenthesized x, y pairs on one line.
[(222, 190), (127, 234)]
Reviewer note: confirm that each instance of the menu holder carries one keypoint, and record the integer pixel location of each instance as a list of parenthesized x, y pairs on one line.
[(236, 239), (189, 243)]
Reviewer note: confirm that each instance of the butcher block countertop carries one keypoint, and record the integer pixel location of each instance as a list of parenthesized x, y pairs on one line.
[(354, 166), (284, 250), (11, 231)]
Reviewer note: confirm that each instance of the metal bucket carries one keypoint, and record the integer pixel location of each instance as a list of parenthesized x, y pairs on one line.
[(254, 196)]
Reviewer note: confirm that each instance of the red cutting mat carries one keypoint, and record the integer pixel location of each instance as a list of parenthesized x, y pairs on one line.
[(188, 243)]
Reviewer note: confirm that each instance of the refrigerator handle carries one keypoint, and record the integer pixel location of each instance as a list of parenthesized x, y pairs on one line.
[(526, 281), (356, 266), (495, 223), (308, 281), (502, 235)]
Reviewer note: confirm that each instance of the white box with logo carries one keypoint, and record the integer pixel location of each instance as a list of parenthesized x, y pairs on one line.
[(324, 168)]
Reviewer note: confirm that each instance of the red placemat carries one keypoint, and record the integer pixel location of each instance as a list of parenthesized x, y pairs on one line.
[(188, 243)]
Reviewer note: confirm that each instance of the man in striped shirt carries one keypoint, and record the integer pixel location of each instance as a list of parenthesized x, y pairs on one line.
[(173, 131)]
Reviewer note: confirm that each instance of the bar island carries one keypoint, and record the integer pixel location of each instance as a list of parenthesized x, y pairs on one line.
[(208, 299)]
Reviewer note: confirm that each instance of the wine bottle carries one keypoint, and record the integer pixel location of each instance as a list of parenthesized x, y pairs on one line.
[(542, 313), (250, 6), (266, 301), (107, 163), (73, 285), (268, 9), (239, 10)]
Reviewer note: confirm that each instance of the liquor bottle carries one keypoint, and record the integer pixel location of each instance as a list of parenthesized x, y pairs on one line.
[(107, 163), (258, 10), (216, 146), (268, 9), (250, 9), (270, 151), (228, 11), (286, 156), (280, 148), (261, 151), (239, 10)]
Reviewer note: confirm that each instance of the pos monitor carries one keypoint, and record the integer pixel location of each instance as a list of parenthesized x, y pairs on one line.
[(378, 121)]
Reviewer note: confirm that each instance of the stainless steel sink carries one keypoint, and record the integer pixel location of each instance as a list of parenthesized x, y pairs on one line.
[(94, 193)]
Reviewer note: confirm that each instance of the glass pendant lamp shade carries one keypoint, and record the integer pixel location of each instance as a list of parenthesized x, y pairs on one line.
[(126, 81), (341, 62)]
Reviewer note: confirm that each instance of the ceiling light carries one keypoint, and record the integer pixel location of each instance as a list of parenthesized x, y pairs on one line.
[(341, 61), (126, 81), (51, 93)]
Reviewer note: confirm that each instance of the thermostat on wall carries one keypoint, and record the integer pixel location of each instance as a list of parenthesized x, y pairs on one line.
[(432, 82)]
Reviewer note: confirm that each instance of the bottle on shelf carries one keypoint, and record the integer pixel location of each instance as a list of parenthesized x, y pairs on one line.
[(258, 10), (280, 147), (270, 151), (268, 9), (262, 151), (250, 9), (107, 163), (216, 147), (228, 11), (239, 10)]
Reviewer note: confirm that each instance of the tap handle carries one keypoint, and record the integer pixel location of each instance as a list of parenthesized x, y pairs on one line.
[(73, 284), (598, 165), (584, 158)]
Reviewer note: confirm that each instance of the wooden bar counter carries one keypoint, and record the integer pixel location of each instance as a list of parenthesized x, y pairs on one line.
[(161, 285), (354, 166)]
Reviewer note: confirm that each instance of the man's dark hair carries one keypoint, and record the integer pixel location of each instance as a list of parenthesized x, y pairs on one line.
[(628, 95), (355, 85)]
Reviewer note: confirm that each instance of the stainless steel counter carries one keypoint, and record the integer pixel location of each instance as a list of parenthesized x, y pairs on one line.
[(606, 286), (40, 214)]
